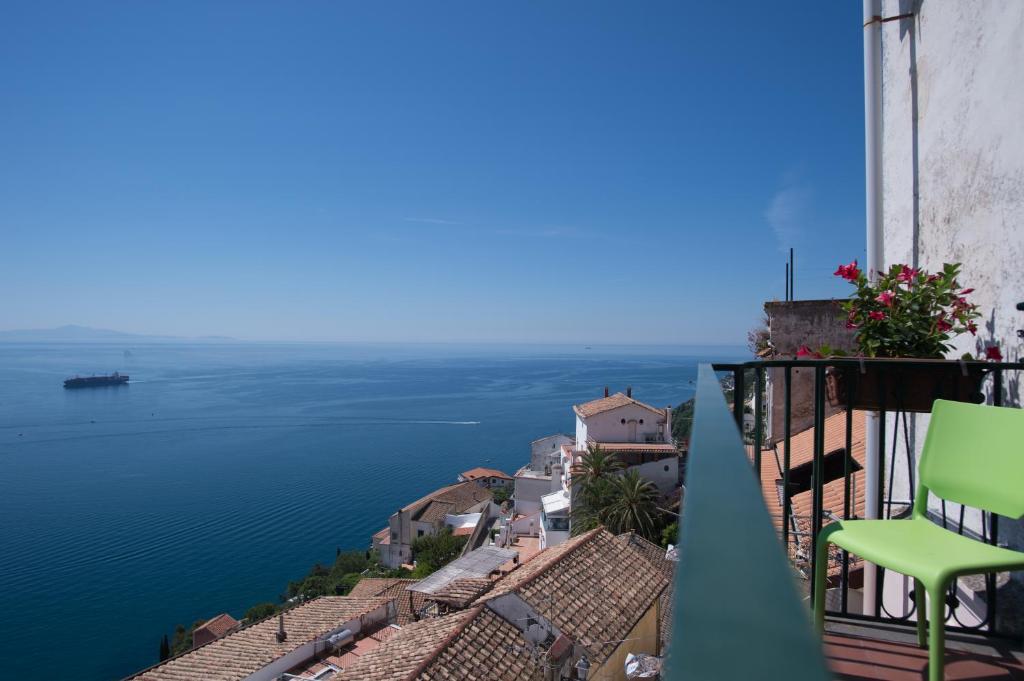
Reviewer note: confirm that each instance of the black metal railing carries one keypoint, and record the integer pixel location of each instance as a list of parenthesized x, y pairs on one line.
[(804, 403)]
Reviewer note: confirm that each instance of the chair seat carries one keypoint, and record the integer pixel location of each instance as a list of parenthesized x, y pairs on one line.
[(919, 548)]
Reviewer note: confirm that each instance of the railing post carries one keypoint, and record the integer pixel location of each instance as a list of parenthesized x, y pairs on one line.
[(786, 428), (758, 425), (817, 503), (738, 390)]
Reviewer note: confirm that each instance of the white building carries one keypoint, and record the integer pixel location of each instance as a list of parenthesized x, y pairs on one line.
[(428, 516), (638, 434)]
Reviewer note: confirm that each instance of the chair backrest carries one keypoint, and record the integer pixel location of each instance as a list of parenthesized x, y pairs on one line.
[(974, 455)]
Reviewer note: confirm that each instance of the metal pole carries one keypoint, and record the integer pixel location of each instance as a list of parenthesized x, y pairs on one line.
[(792, 273), (787, 282), (875, 258)]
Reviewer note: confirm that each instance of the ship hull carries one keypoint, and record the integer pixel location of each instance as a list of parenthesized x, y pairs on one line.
[(96, 381)]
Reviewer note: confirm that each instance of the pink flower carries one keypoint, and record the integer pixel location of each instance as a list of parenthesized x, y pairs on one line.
[(848, 272), (973, 328), (993, 353), (875, 314), (932, 278), (942, 325), (886, 298), (966, 291), (804, 351), (907, 274)]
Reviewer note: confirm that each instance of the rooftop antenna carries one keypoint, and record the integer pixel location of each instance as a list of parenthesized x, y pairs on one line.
[(787, 282), (792, 271)]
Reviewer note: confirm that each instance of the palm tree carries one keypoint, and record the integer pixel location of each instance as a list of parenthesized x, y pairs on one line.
[(597, 464), (595, 489), (634, 507)]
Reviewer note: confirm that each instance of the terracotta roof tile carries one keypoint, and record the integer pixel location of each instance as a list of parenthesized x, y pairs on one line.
[(401, 655), (461, 592), (594, 407), (457, 498), (486, 647), (801, 505), (244, 652), (655, 555), (219, 625), (475, 473), (408, 603), (593, 587), (469, 645)]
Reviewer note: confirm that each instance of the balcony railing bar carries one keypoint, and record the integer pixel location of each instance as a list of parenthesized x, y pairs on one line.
[(725, 524)]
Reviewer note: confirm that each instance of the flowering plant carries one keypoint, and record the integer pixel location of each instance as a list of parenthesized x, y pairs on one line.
[(907, 312)]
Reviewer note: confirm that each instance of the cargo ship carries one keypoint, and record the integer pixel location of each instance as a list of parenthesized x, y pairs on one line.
[(96, 381)]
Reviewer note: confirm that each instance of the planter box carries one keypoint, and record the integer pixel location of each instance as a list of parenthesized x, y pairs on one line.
[(904, 384)]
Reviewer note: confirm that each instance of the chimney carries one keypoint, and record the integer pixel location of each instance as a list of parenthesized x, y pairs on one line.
[(282, 635), (629, 391), (606, 391)]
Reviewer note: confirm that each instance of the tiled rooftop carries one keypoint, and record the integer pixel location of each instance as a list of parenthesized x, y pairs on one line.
[(219, 625), (240, 654), (402, 655), (655, 555), (802, 452), (473, 644), (477, 473), (461, 592), (408, 603), (599, 406), (457, 498), (593, 587)]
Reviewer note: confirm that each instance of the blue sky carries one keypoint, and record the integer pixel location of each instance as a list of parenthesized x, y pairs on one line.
[(532, 171)]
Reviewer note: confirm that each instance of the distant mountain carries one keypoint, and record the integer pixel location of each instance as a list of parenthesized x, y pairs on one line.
[(74, 333)]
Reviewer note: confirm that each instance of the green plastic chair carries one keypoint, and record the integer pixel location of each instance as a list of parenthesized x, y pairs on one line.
[(973, 455)]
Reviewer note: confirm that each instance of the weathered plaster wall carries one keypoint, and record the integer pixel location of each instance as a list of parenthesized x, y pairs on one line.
[(791, 324), (953, 151), (953, 182)]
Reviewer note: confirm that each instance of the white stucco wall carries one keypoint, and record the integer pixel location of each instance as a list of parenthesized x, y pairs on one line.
[(528, 492), (953, 178), (953, 102), (664, 474), (609, 427), (544, 451)]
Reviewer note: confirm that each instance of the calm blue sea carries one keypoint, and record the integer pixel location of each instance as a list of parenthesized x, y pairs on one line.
[(225, 470)]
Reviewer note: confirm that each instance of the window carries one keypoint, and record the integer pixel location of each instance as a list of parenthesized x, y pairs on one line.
[(419, 533), (666, 469), (622, 421), (641, 422), (394, 536)]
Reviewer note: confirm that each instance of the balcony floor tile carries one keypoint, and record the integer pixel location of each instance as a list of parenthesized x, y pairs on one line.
[(859, 653)]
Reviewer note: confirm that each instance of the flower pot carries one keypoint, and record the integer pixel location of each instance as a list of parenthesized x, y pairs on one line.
[(903, 384)]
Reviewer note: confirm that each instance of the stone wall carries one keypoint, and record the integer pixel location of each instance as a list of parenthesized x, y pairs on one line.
[(791, 324)]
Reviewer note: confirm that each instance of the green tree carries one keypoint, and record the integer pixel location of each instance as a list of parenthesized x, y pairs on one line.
[(260, 611), (434, 551), (634, 506), (670, 535), (501, 494), (682, 422), (165, 648), (597, 464), (595, 489), (348, 562)]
